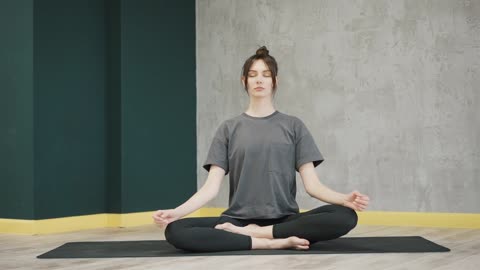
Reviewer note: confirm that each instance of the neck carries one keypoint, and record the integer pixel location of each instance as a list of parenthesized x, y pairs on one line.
[(260, 107)]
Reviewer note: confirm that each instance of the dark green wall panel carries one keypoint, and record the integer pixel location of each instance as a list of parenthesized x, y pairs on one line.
[(113, 109), (16, 109), (98, 106), (158, 103), (70, 71)]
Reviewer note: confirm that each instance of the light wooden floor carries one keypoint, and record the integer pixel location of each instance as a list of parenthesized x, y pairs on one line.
[(19, 252)]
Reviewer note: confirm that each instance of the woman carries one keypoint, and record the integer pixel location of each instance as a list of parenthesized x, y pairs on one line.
[(261, 149)]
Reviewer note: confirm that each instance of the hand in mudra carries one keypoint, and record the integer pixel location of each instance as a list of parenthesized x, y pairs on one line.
[(163, 217), (356, 201)]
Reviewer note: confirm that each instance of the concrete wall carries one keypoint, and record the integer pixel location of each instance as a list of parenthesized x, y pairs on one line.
[(389, 89)]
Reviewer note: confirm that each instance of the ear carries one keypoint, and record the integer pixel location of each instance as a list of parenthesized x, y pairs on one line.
[(243, 80)]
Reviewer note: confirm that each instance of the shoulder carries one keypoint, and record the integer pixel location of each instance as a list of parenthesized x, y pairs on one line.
[(297, 126), (294, 121), (227, 125), (230, 122)]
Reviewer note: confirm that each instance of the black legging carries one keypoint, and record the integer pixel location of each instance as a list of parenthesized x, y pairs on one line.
[(199, 234)]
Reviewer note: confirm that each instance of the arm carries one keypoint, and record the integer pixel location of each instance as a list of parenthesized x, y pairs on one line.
[(316, 189), (354, 200), (207, 192)]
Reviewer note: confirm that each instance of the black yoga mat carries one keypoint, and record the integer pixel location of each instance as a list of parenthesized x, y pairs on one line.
[(161, 248)]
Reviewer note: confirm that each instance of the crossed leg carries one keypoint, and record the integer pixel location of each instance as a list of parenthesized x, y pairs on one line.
[(297, 231), (323, 223), (199, 235)]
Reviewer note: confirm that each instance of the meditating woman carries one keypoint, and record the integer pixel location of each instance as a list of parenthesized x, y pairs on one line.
[(261, 149)]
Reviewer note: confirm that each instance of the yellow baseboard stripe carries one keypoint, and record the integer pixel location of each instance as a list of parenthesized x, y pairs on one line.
[(76, 223)]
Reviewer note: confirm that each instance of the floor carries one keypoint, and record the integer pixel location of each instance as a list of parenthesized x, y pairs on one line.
[(20, 251)]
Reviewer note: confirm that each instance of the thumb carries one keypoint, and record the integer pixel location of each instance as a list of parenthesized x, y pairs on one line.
[(166, 214), (355, 192), (160, 214)]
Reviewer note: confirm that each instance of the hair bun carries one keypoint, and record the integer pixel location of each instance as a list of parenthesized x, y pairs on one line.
[(262, 51)]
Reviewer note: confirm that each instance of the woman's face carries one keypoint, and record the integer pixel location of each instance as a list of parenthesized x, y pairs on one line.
[(260, 83)]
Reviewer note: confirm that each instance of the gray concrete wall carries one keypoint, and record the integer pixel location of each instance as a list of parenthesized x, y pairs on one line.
[(389, 89)]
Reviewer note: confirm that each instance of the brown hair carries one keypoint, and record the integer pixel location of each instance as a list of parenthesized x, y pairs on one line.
[(261, 54)]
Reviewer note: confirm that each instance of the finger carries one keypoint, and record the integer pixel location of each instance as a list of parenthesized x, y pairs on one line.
[(159, 219), (358, 200), (156, 216), (359, 207), (361, 200), (362, 206), (161, 223), (359, 204), (362, 203)]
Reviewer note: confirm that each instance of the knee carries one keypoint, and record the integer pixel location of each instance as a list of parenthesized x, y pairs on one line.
[(350, 219), (172, 233), (345, 219), (168, 232)]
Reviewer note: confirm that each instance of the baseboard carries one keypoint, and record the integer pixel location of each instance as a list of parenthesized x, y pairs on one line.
[(76, 223)]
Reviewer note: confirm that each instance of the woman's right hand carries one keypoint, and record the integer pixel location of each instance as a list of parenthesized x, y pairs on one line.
[(163, 217)]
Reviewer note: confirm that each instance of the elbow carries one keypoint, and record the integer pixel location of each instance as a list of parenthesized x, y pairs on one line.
[(212, 193), (312, 194), (215, 194), (208, 192)]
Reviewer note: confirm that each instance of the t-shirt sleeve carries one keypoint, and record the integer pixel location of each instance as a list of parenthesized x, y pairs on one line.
[(218, 152), (305, 148)]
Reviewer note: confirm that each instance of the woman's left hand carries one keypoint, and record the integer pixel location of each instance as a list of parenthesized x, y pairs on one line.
[(356, 201)]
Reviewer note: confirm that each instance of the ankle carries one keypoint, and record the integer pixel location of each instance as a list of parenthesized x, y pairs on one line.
[(261, 243), (263, 232)]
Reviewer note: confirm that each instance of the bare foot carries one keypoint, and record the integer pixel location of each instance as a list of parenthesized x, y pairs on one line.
[(249, 230), (229, 227), (253, 225), (291, 242)]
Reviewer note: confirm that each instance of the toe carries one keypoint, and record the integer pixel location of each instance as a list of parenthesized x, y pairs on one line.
[(303, 247), (227, 225)]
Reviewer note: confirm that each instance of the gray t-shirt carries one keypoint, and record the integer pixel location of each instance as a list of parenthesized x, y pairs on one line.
[(262, 154)]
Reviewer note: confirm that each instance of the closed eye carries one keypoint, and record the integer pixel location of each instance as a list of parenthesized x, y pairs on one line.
[(265, 73)]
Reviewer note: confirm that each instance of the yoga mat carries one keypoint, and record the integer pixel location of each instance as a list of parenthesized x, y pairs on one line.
[(161, 248)]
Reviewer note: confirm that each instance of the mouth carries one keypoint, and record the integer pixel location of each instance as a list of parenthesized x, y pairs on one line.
[(259, 88)]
